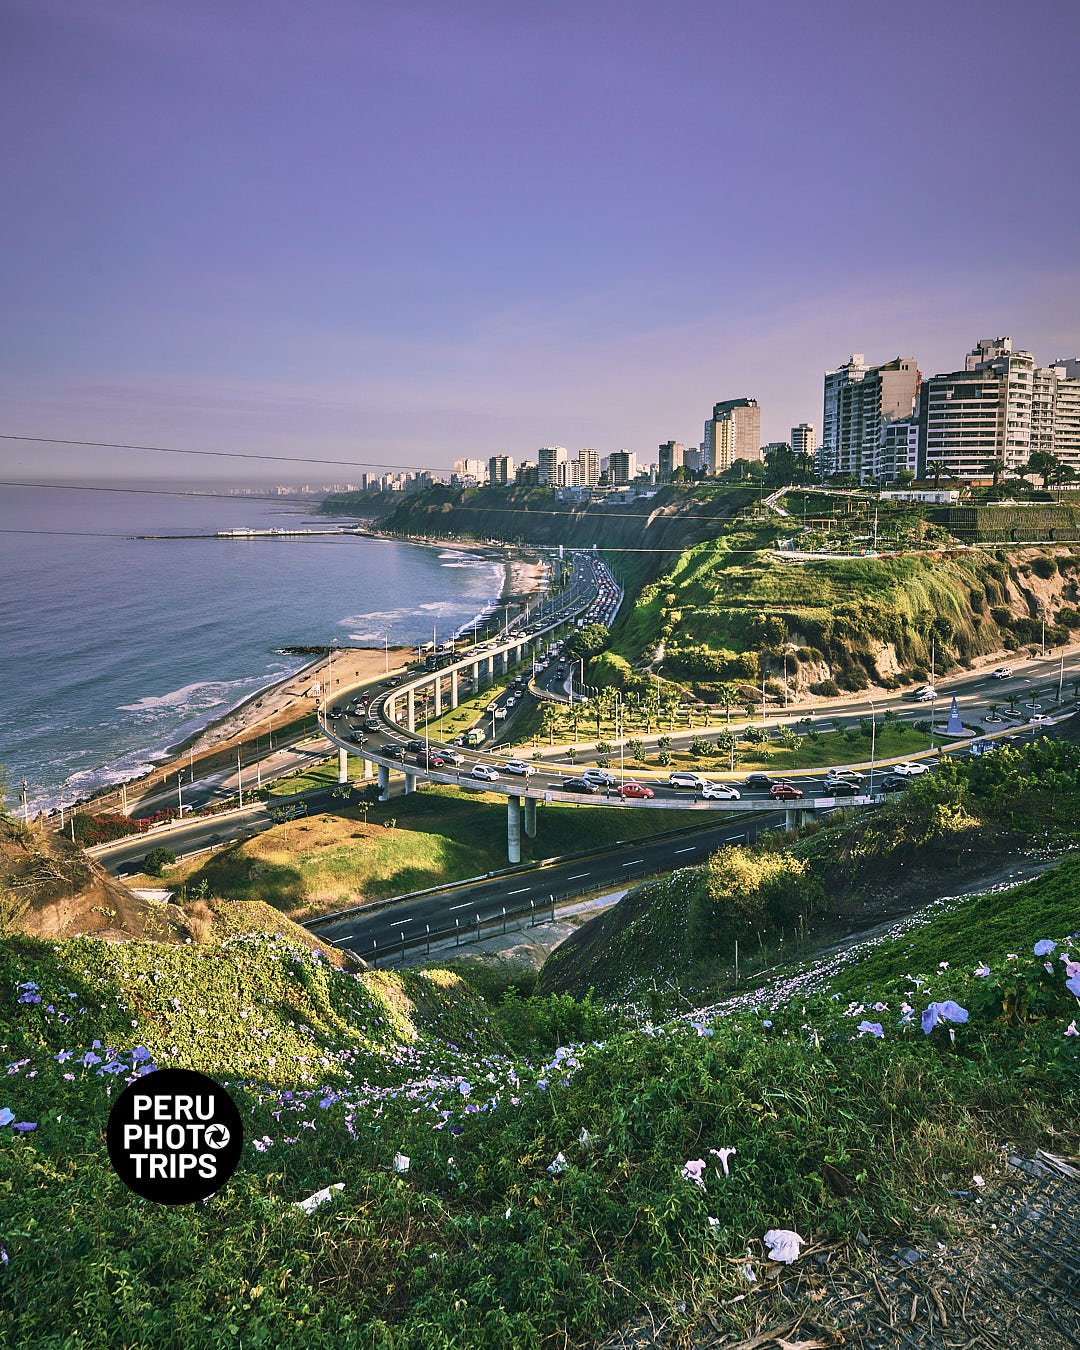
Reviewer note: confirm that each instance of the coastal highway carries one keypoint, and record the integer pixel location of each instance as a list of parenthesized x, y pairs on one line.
[(613, 868)]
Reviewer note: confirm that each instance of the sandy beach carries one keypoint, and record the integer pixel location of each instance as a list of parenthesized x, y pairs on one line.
[(280, 706)]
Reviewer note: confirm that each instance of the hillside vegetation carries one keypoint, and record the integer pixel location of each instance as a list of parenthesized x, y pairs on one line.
[(676, 936), (732, 608), (542, 1194)]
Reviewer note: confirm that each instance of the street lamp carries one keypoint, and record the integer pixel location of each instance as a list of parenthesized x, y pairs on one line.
[(873, 743), (179, 795)]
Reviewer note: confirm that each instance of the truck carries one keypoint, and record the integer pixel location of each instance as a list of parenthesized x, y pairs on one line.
[(474, 736)]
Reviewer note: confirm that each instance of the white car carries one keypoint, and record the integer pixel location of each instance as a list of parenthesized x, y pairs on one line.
[(485, 772), (499, 714), (926, 695), (600, 776), (451, 756), (1001, 672), (519, 766), (682, 778), (720, 792), (910, 770)]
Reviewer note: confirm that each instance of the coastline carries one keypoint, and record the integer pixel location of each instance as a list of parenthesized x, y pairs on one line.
[(283, 702)]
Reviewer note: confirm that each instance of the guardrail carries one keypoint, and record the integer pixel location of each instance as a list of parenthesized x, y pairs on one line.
[(525, 916)]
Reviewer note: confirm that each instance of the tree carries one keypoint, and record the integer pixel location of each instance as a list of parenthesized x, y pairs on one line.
[(589, 641), (156, 861), (1044, 464), (550, 720), (996, 467)]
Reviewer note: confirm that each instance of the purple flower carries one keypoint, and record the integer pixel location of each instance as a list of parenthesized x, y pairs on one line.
[(767, 1024), (1071, 1030), (1045, 947), (982, 971), (62, 1056), (90, 1058), (6, 1115), (1073, 985), (947, 1011), (139, 1054), (457, 1129), (25, 1126), (871, 1028)]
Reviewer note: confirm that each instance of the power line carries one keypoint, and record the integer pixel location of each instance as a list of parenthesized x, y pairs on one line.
[(216, 454)]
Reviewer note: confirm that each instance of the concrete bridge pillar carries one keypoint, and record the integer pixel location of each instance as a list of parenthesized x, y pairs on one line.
[(453, 689), (410, 783), (369, 768), (384, 783), (530, 817), (342, 765), (475, 676), (410, 720), (513, 829), (793, 817), (437, 684), (391, 709)]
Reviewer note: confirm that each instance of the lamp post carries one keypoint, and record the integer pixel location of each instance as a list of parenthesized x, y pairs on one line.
[(179, 794), (873, 743)]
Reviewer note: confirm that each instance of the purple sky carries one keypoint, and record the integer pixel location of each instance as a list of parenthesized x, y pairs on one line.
[(405, 232)]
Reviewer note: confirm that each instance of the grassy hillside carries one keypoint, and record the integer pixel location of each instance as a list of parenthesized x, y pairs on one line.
[(640, 535), (435, 836), (727, 603), (550, 1190)]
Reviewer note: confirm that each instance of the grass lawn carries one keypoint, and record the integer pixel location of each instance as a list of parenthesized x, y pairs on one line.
[(830, 748), (436, 835)]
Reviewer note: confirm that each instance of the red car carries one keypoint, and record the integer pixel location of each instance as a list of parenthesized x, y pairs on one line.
[(635, 790), (784, 792)]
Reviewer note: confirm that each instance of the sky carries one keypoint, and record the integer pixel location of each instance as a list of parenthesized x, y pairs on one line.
[(404, 233)]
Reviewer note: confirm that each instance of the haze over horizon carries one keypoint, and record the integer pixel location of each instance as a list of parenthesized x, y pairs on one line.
[(407, 235)]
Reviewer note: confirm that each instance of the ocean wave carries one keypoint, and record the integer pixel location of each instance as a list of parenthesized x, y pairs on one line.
[(192, 698)]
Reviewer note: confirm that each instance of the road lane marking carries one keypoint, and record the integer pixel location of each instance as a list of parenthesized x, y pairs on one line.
[(686, 850), (469, 904), (633, 862), (577, 876), (521, 892)]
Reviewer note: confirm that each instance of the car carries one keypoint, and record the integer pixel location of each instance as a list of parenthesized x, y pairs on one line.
[(600, 776), (451, 756), (486, 773), (841, 787), (359, 737), (519, 767), (910, 770), (1001, 672), (492, 707), (683, 778), (638, 790), (398, 752), (926, 696), (843, 776), (511, 702), (499, 714), (337, 711), (893, 782), (1040, 720), (413, 746), (580, 785), (720, 792), (432, 761), (759, 781), (785, 792)]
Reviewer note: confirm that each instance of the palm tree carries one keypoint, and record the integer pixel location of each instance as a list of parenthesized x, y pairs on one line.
[(996, 467)]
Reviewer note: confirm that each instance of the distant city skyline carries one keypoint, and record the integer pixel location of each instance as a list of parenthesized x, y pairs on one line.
[(420, 233)]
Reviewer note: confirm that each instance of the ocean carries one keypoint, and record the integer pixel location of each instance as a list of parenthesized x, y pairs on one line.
[(113, 648)]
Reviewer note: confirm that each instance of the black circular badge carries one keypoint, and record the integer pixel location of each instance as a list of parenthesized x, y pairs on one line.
[(174, 1136)]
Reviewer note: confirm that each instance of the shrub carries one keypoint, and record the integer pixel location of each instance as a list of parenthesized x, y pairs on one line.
[(825, 688), (1044, 566), (156, 861)]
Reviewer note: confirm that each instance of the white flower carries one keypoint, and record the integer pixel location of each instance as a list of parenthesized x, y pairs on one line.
[(313, 1202), (402, 1163), (557, 1166), (692, 1170), (723, 1154)]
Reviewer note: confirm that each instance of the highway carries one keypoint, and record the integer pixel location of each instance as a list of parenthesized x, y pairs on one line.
[(379, 930)]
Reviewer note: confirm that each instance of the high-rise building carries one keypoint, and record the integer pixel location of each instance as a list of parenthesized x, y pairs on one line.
[(671, 458), (999, 411), (835, 381), (527, 475), (553, 466), (1067, 411), (589, 467), (470, 468), (734, 432), (500, 470), (802, 439), (860, 401), (622, 466), (898, 450)]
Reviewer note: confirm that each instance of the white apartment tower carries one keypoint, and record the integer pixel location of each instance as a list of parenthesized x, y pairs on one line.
[(589, 467), (802, 439), (554, 467)]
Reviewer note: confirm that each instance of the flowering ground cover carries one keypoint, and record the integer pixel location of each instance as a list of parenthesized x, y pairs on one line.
[(499, 1188)]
